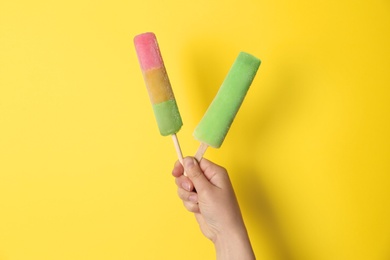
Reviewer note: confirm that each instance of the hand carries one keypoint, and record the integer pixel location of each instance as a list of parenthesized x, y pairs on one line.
[(215, 206)]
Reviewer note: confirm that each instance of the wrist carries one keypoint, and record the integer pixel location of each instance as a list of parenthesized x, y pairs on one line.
[(234, 245)]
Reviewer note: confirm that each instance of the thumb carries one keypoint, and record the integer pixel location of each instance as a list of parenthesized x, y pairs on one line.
[(195, 174)]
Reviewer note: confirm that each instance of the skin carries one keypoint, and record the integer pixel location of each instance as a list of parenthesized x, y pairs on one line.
[(207, 192)]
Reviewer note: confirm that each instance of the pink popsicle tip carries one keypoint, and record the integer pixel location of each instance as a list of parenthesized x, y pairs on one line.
[(148, 52)]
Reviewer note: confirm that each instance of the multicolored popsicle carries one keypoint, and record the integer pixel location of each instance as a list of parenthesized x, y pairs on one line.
[(215, 124), (159, 87)]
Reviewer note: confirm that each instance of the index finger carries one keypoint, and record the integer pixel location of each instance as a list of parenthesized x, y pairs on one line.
[(178, 169)]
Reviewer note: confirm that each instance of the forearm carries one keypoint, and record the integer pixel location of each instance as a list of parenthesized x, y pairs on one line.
[(234, 246)]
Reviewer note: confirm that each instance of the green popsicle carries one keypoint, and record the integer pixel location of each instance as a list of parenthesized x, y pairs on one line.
[(215, 124)]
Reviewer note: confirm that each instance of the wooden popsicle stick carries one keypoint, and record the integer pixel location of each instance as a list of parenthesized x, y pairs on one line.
[(177, 148), (201, 150)]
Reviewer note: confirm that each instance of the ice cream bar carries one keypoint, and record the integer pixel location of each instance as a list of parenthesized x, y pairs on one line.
[(157, 82), (159, 88), (215, 124)]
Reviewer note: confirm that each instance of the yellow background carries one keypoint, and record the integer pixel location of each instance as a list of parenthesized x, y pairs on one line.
[(84, 173)]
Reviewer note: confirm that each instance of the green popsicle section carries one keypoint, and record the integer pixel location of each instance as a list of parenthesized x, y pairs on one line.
[(168, 117), (218, 118)]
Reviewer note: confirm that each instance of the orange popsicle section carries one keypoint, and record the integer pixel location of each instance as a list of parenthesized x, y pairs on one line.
[(158, 85)]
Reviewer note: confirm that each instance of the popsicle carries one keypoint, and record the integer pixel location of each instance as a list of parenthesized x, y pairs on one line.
[(215, 124), (159, 87)]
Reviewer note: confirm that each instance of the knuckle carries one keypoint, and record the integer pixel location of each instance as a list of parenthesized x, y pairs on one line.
[(178, 181), (192, 207), (181, 193)]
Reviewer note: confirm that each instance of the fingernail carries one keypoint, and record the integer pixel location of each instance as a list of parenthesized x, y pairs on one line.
[(188, 163), (186, 186), (193, 198)]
